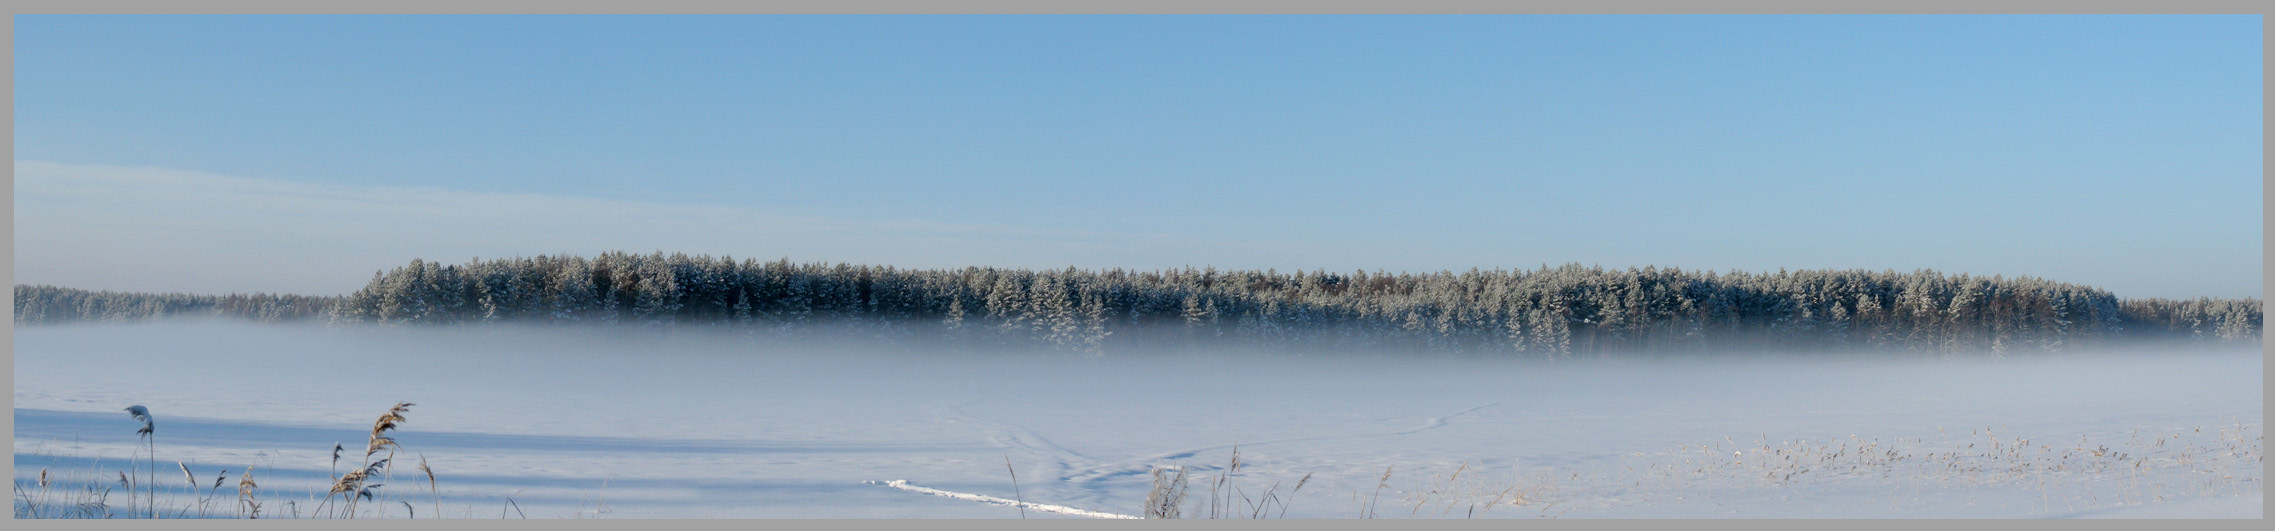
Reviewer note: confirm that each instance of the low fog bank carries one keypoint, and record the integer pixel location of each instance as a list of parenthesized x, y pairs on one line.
[(692, 422), (223, 359), (833, 339)]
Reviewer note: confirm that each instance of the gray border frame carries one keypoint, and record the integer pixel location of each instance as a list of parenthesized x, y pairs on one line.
[(1117, 7), (1137, 7)]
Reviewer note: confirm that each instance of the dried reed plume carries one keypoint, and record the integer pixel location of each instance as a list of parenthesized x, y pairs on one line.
[(142, 414), (348, 482), (386, 423), (189, 478), (354, 484), (352, 487), (1168, 493), (248, 505), (379, 439)]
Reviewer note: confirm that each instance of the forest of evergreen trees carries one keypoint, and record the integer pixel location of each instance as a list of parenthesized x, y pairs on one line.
[(1548, 312), (51, 304)]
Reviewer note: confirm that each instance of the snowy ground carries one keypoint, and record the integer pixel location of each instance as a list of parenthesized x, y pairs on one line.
[(576, 424)]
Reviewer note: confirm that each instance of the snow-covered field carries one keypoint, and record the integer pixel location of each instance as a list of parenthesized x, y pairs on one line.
[(579, 423)]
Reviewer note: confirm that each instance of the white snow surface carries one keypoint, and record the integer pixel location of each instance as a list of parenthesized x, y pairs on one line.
[(698, 424)]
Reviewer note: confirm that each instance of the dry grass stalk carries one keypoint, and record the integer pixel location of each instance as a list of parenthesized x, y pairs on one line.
[(1291, 494), (1220, 505), (1368, 511), (32, 504), (1448, 489), (149, 434), (431, 489), (1016, 496), (65, 495), (90, 499)]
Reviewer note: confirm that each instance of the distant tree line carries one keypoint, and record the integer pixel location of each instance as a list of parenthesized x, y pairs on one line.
[(1547, 312), (55, 305), (2205, 318)]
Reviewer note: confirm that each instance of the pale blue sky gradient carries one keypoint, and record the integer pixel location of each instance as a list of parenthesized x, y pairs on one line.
[(2119, 151)]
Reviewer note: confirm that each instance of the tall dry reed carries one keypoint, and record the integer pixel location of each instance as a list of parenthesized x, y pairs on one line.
[(149, 435)]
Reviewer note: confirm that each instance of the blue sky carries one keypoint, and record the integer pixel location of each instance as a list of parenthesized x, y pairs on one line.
[(2119, 151)]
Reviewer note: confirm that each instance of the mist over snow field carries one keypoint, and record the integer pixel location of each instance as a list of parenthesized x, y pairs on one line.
[(576, 422)]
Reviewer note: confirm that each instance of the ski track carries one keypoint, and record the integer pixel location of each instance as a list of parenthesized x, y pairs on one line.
[(1094, 482), (902, 484), (1091, 477), (1062, 459)]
